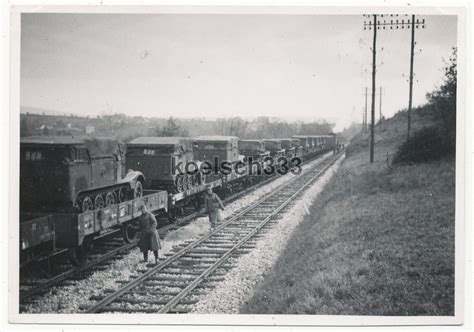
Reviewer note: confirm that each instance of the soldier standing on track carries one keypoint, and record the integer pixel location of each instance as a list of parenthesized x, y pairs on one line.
[(213, 203), (149, 239)]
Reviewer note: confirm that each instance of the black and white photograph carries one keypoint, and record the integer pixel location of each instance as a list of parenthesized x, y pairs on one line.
[(288, 166)]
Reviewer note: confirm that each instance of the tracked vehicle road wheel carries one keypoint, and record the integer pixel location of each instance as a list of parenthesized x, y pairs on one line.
[(87, 204), (122, 195), (109, 199), (191, 181), (99, 202), (179, 183)]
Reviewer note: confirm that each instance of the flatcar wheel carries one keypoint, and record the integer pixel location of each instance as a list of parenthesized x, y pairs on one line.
[(87, 204), (138, 190), (129, 232), (109, 199), (99, 202), (77, 255)]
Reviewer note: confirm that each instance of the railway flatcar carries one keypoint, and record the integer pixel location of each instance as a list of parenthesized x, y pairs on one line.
[(66, 174), (47, 234), (163, 160)]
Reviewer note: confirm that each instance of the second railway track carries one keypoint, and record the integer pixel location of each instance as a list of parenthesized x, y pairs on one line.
[(177, 282)]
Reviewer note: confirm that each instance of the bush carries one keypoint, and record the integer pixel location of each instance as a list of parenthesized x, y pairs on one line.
[(426, 144), (357, 144)]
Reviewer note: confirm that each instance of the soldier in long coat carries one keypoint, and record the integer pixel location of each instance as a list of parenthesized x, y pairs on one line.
[(213, 203), (149, 238)]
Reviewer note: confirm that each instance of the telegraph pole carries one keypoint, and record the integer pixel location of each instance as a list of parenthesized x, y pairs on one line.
[(412, 51), (380, 112), (397, 24), (365, 112), (372, 111)]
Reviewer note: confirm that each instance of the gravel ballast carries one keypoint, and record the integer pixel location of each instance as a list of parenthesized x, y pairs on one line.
[(250, 269)]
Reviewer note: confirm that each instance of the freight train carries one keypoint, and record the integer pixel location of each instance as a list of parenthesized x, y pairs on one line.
[(74, 190)]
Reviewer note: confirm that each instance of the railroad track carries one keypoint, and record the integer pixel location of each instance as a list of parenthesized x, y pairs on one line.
[(175, 283), (114, 250)]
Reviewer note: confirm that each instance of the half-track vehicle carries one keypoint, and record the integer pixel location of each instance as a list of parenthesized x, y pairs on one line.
[(70, 174), (164, 160)]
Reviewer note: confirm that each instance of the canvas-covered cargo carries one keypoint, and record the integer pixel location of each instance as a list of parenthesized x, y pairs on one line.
[(224, 148), (295, 142), (251, 146), (95, 146), (273, 144), (286, 143), (303, 141), (164, 144)]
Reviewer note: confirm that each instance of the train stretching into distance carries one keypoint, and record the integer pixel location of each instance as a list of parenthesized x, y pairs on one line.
[(74, 190)]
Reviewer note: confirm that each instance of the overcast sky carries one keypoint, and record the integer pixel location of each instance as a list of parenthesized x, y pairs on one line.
[(288, 66)]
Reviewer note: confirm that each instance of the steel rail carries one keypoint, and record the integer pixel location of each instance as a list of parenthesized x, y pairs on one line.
[(63, 276), (176, 299)]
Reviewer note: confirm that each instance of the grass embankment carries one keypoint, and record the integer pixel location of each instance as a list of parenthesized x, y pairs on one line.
[(377, 241)]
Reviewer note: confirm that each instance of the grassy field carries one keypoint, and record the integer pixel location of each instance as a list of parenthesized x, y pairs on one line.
[(377, 241)]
